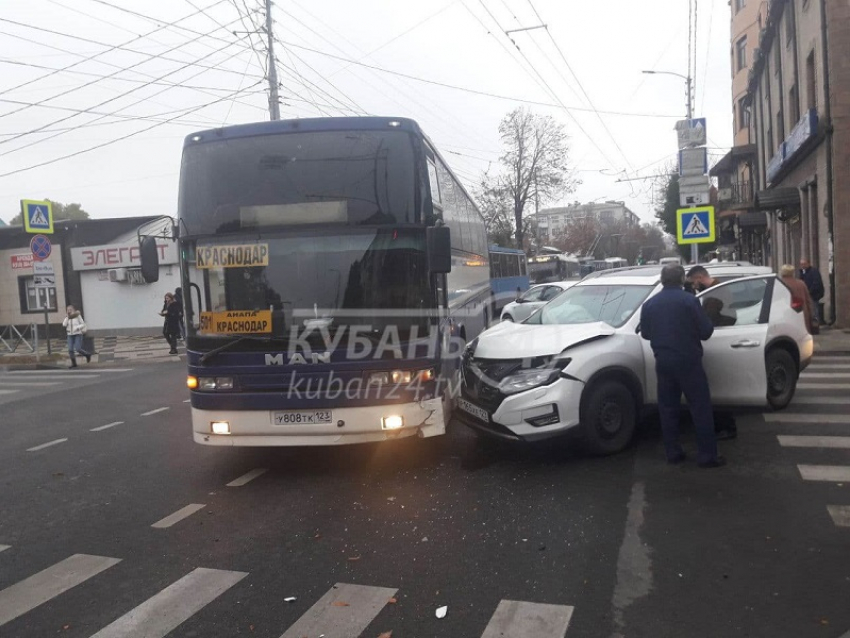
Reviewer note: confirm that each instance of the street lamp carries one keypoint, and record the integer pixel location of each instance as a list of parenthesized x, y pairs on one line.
[(688, 83)]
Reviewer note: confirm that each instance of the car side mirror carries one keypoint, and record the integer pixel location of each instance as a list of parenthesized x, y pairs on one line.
[(438, 241), (149, 255)]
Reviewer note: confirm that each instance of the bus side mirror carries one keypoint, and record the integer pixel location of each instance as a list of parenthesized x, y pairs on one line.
[(149, 256), (438, 241)]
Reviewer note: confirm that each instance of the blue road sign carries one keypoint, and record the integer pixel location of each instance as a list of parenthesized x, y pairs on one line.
[(38, 216), (40, 247), (695, 225)]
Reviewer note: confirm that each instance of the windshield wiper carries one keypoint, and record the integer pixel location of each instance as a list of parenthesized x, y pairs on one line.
[(211, 353)]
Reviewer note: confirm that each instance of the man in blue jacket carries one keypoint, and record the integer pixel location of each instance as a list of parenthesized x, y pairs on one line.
[(675, 324)]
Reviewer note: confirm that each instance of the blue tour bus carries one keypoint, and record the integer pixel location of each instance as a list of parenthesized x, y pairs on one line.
[(333, 270), (508, 275)]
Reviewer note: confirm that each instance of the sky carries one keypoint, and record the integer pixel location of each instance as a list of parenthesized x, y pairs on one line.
[(96, 96)]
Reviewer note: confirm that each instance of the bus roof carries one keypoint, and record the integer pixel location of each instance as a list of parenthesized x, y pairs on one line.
[(501, 249), (306, 124)]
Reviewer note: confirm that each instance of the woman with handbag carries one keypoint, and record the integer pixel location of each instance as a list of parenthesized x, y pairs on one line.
[(75, 326)]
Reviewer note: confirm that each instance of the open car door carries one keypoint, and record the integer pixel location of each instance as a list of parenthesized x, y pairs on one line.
[(734, 355)]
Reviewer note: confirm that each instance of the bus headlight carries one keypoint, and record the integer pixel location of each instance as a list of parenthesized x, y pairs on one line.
[(393, 422), (220, 427), (211, 384)]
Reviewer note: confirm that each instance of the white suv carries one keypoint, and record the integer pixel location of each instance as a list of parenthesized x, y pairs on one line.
[(580, 363)]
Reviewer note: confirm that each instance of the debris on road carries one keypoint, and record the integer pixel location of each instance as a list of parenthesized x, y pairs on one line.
[(442, 611)]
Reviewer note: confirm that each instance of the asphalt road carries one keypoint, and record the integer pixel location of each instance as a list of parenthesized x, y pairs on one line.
[(114, 523)]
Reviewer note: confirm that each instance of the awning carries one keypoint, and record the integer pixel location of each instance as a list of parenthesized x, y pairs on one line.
[(775, 198)]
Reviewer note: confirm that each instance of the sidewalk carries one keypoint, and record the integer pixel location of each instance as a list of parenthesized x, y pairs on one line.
[(106, 350), (832, 341), (155, 349)]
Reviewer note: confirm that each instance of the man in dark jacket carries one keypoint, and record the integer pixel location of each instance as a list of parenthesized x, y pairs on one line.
[(676, 325), (814, 282)]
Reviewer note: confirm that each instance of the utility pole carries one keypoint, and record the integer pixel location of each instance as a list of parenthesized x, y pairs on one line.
[(274, 96)]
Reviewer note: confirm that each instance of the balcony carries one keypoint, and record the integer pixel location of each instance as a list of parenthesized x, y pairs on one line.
[(738, 194)]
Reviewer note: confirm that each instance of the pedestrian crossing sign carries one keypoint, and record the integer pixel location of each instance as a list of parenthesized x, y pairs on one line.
[(695, 225), (38, 216)]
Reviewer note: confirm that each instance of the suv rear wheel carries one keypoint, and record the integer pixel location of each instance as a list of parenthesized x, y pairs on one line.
[(781, 378), (608, 418)]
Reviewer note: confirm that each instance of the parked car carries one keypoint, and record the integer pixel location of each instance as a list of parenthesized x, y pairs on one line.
[(580, 364), (532, 299)]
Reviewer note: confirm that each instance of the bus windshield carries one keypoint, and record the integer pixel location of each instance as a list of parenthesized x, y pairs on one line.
[(323, 279), (286, 179)]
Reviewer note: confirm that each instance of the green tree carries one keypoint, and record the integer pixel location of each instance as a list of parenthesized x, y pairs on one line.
[(533, 168), (61, 212)]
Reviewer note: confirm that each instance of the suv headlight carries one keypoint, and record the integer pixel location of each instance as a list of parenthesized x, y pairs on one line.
[(526, 379), (523, 380)]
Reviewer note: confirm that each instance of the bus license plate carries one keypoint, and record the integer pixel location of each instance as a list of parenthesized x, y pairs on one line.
[(474, 410), (302, 417)]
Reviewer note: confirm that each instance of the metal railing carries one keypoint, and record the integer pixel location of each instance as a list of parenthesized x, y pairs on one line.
[(11, 338), (742, 192)]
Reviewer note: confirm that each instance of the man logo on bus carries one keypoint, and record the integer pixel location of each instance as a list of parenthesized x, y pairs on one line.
[(297, 358)]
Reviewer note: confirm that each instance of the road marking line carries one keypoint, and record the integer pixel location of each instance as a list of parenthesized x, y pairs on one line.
[(820, 400), (247, 478), (67, 372), (27, 384), (107, 426), (53, 377), (154, 411), (9, 391), (3, 548), (824, 375), (840, 514), (815, 367), (517, 619), (44, 445), (179, 515), (167, 610), (362, 605), (49, 583), (814, 441), (832, 473), (187, 401), (807, 418), (823, 386)]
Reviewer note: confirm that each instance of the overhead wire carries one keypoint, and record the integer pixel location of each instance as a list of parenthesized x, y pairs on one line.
[(96, 55), (115, 140)]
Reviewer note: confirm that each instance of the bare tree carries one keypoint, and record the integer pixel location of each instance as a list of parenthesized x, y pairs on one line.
[(534, 166), (578, 235)]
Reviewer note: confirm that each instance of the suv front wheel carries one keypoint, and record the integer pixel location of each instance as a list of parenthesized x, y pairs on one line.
[(608, 418)]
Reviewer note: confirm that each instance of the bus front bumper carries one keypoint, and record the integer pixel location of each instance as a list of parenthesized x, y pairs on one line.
[(348, 425)]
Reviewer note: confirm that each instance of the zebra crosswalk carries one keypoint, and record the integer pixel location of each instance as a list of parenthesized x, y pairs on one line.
[(16, 383), (345, 611), (825, 431)]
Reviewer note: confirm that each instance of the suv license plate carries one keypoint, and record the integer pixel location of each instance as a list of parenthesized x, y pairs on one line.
[(474, 410), (302, 417)]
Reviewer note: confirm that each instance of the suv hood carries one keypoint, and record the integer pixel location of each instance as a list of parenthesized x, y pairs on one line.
[(519, 341)]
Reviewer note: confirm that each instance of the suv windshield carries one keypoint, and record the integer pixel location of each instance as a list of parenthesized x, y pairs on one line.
[(613, 304)]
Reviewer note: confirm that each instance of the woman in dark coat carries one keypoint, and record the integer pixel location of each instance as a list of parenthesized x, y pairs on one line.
[(172, 311)]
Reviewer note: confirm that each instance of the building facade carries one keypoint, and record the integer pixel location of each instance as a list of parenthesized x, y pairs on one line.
[(96, 263), (798, 99), (551, 222)]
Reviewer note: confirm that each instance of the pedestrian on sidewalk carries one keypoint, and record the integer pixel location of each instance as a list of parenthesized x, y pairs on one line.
[(178, 295), (800, 297), (171, 310), (814, 282), (75, 326), (675, 324)]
